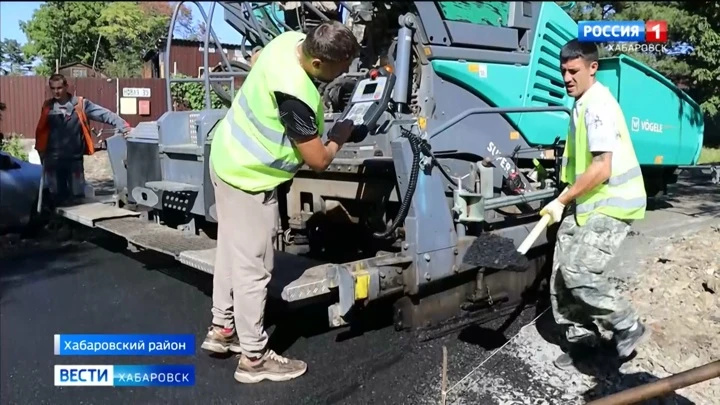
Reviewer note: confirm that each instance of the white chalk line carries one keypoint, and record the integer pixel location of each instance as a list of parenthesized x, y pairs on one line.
[(493, 354)]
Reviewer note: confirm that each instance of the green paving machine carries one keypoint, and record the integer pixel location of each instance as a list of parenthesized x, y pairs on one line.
[(465, 134)]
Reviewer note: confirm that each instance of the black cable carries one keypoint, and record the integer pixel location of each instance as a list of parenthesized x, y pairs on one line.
[(419, 147), (425, 148), (415, 145)]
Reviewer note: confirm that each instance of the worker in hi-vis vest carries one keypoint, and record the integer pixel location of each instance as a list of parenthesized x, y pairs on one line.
[(274, 125), (606, 187), (63, 137)]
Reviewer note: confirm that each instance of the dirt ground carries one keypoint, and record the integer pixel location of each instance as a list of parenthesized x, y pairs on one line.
[(678, 295), (98, 173)]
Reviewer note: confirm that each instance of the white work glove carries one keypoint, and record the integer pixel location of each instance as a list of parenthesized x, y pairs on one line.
[(554, 210)]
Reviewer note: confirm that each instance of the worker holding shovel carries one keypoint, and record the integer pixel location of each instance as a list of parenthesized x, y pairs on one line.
[(63, 136), (607, 192)]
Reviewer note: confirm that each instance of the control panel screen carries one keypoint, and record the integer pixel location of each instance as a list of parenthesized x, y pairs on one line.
[(370, 89), (367, 90)]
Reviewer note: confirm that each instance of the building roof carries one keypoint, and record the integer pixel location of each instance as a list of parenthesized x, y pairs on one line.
[(188, 42), (162, 42), (75, 64)]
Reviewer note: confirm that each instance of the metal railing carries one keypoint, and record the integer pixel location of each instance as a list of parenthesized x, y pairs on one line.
[(208, 76)]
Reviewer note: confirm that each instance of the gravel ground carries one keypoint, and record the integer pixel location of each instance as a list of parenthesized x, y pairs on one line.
[(678, 294)]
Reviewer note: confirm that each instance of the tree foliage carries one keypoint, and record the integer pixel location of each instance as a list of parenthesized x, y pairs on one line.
[(112, 35), (191, 96), (693, 59), (14, 61)]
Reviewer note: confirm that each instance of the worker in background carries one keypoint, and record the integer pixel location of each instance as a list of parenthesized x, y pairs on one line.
[(274, 125), (63, 137), (606, 187)]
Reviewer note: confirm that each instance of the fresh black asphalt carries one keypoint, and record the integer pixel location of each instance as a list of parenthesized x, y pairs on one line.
[(83, 288)]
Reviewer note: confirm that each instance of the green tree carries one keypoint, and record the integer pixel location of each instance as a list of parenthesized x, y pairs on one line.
[(674, 66), (114, 35), (13, 59), (191, 96)]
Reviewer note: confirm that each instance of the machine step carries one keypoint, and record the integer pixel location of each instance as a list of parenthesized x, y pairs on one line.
[(171, 186), (91, 212), (183, 149), (294, 277)]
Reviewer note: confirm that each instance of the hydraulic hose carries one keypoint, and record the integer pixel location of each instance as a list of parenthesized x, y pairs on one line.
[(419, 147), (415, 145)]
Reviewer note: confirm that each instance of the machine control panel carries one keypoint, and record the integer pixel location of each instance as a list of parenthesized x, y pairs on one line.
[(368, 102)]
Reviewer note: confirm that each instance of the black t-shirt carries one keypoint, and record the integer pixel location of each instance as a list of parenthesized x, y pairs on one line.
[(297, 117)]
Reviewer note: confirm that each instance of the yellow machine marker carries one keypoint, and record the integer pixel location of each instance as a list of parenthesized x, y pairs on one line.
[(362, 284)]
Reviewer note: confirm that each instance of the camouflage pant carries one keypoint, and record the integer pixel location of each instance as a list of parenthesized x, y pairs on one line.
[(65, 179), (580, 290)]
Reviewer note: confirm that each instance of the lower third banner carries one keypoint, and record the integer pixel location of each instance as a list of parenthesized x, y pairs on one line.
[(164, 375)]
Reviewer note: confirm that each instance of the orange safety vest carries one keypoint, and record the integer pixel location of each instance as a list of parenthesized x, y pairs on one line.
[(42, 132)]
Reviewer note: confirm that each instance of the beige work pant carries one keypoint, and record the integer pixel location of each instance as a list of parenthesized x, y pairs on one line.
[(247, 228)]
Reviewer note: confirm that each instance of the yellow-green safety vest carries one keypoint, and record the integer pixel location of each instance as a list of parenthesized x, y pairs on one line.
[(623, 195), (250, 149)]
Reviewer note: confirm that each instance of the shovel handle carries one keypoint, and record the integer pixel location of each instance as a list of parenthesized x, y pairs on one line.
[(40, 191), (534, 234)]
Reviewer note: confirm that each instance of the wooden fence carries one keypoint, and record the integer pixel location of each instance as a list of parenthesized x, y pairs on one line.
[(135, 100)]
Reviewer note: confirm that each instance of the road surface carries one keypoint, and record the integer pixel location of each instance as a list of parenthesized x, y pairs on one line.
[(83, 288)]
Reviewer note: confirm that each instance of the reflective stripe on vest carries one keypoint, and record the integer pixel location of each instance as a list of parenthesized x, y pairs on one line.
[(250, 149), (622, 196), (612, 202), (257, 150), (622, 178)]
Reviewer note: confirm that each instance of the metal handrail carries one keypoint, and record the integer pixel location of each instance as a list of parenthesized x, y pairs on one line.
[(171, 30)]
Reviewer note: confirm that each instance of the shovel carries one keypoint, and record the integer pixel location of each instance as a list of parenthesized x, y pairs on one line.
[(42, 186), (535, 233)]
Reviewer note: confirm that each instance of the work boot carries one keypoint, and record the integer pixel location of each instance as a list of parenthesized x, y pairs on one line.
[(220, 340), (629, 339), (575, 352), (270, 366)]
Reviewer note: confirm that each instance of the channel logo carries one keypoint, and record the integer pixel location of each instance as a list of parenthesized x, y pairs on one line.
[(168, 375), (84, 376), (623, 31)]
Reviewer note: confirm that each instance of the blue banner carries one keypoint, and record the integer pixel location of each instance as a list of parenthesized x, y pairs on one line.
[(124, 345), (162, 375), (168, 375), (611, 31)]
